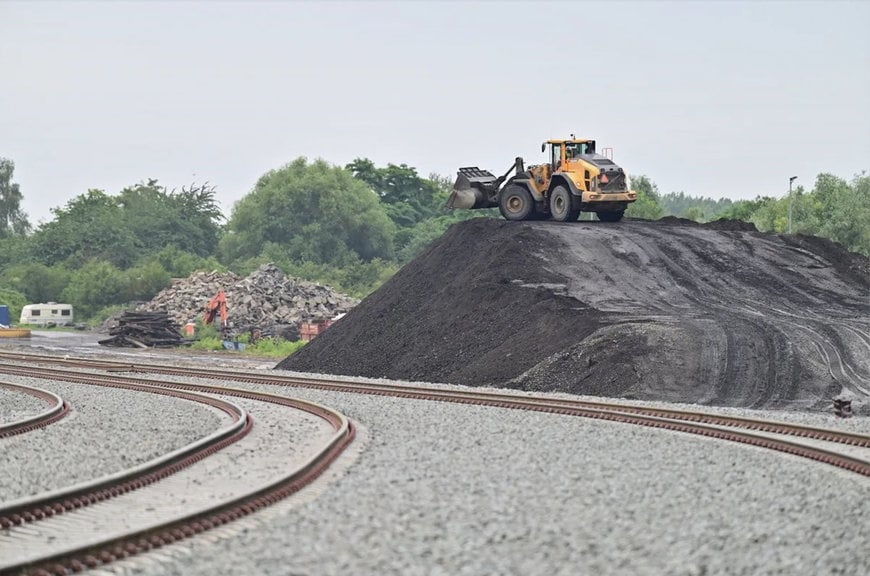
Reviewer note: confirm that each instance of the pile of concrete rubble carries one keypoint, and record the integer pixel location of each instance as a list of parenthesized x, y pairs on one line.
[(265, 299)]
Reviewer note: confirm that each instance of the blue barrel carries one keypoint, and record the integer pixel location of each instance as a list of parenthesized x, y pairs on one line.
[(4, 315)]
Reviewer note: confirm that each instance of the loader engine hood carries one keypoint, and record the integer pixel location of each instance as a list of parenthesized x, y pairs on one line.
[(599, 161), (612, 178)]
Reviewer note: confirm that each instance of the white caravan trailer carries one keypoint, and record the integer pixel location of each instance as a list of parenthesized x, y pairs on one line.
[(43, 314)]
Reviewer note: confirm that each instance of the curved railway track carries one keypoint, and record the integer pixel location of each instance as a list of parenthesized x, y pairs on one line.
[(733, 428), (130, 542), (55, 502), (814, 443), (57, 409)]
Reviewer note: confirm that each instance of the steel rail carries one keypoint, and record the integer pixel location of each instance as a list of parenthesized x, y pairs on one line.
[(51, 503), (739, 429), (124, 545), (58, 409), (141, 540), (334, 383)]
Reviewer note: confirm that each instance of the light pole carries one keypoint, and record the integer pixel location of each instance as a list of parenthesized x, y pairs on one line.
[(790, 180)]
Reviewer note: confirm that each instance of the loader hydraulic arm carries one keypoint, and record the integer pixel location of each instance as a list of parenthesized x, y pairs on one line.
[(518, 167)]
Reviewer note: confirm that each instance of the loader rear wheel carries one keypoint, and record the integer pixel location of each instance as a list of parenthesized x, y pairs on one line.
[(515, 203), (563, 205), (611, 216)]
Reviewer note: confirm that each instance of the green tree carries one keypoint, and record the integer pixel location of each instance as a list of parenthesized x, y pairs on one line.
[(647, 204), (409, 199), (188, 219), (15, 300), (180, 264), (744, 209), (845, 211), (91, 227), (14, 249), (680, 204), (95, 285), (144, 281), (772, 216), (13, 221), (695, 213), (315, 212), (38, 282)]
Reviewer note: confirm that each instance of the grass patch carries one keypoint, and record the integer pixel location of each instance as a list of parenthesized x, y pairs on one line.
[(271, 347), (207, 343), (277, 347)]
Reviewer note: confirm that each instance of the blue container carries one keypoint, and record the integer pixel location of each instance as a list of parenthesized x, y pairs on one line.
[(4, 315)]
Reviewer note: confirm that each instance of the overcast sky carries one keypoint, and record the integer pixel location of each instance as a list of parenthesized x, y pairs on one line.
[(717, 99)]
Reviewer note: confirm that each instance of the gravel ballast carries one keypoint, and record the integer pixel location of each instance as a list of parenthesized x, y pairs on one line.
[(453, 489), (16, 405), (107, 431)]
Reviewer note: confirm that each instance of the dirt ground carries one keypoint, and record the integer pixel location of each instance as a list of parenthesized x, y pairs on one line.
[(671, 310)]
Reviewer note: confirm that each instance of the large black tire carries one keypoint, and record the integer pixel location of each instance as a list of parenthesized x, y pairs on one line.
[(611, 216), (515, 203), (564, 206)]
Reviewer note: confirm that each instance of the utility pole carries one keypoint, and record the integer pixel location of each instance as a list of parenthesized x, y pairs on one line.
[(790, 180)]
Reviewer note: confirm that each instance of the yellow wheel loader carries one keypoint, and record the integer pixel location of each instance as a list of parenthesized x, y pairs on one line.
[(576, 179)]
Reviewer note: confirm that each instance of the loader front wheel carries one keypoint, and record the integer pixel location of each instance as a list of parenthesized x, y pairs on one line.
[(564, 207), (515, 203)]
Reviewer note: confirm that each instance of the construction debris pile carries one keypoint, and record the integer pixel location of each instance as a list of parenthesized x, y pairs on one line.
[(143, 330), (267, 300)]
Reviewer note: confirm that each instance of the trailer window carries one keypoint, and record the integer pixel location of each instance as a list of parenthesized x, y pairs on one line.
[(54, 312), (35, 312), (64, 312)]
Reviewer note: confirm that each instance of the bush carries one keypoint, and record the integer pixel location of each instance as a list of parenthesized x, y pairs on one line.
[(208, 343), (15, 300), (276, 347)]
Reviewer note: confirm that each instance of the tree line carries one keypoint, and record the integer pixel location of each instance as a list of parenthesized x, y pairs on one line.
[(351, 227)]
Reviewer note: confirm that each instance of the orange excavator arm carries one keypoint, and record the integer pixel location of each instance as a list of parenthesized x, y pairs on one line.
[(215, 306)]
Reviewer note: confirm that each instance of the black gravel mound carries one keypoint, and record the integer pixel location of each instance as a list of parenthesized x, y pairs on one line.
[(664, 310), (729, 224)]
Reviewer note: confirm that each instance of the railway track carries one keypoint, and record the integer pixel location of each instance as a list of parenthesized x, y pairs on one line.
[(127, 513), (56, 410), (756, 432), (838, 448)]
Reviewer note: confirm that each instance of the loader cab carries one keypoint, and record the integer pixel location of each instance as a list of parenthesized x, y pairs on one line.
[(575, 149), (562, 151)]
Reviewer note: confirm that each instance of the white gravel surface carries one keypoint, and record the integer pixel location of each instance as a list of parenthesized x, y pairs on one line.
[(282, 439), (108, 430), (16, 405), (453, 489)]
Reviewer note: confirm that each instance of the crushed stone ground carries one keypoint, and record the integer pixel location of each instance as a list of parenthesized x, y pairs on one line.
[(671, 310)]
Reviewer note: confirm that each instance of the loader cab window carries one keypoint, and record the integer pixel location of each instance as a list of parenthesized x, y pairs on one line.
[(556, 155), (573, 150), (576, 149)]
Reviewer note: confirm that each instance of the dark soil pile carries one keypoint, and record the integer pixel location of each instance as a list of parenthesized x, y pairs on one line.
[(669, 310)]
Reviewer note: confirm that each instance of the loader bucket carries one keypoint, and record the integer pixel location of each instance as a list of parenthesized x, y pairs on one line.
[(472, 189)]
